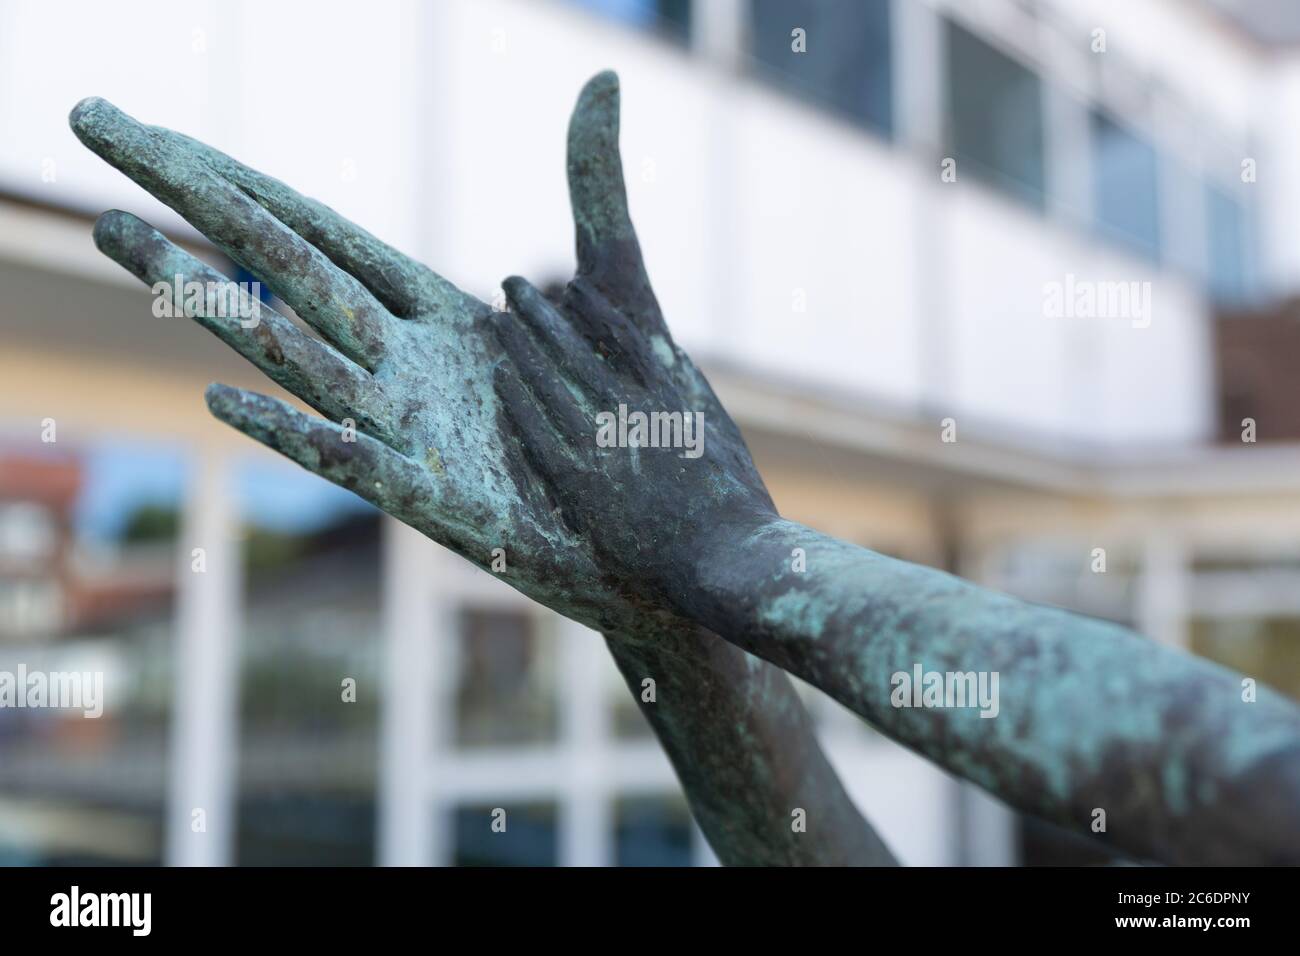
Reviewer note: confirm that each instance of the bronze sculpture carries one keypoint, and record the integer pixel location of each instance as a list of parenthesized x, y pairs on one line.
[(478, 429)]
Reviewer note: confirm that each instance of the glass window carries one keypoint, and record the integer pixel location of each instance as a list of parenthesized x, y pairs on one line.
[(1124, 186), (846, 64), (652, 831), (1267, 649), (1227, 560), (87, 589), (671, 18), (506, 690), (311, 826), (309, 670), (525, 835), (994, 115), (1226, 237)]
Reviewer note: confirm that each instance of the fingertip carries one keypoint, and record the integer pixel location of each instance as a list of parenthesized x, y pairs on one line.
[(605, 82), (93, 120), (86, 109), (114, 227), (516, 287), (597, 107), (222, 400), (597, 192)]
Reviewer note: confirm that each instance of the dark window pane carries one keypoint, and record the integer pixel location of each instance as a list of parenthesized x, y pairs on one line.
[(506, 689), (306, 827), (307, 754), (1124, 186), (652, 831), (1226, 233), (1267, 649), (995, 116), (671, 18), (1227, 561), (529, 837), (847, 62)]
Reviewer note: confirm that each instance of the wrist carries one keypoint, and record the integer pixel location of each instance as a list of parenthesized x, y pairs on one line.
[(733, 566)]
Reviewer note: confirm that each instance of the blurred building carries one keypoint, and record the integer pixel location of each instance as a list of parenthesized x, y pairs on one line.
[(1061, 234), (36, 586)]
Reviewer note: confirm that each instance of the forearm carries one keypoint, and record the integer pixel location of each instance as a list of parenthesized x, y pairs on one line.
[(1088, 715), (744, 748)]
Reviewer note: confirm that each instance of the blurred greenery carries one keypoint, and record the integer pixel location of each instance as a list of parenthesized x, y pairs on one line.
[(151, 522)]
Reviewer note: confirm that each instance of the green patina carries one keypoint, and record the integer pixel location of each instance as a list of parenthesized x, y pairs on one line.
[(412, 360), (474, 427)]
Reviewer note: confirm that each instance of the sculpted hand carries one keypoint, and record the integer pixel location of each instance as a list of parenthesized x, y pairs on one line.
[(411, 361), (599, 372), (403, 355), (1084, 707)]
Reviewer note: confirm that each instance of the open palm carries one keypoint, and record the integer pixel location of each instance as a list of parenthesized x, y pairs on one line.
[(405, 364)]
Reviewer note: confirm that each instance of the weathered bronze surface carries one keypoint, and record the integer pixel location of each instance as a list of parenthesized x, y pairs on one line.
[(477, 428), (410, 359)]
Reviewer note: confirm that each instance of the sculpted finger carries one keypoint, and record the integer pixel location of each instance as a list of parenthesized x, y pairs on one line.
[(355, 461), (329, 299), (623, 343), (303, 365), (405, 287), (575, 357), (539, 375), (607, 246)]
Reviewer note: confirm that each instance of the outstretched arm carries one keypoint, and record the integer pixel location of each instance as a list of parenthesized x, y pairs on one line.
[(408, 359), (746, 752), (644, 464), (1084, 715), (1089, 716)]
